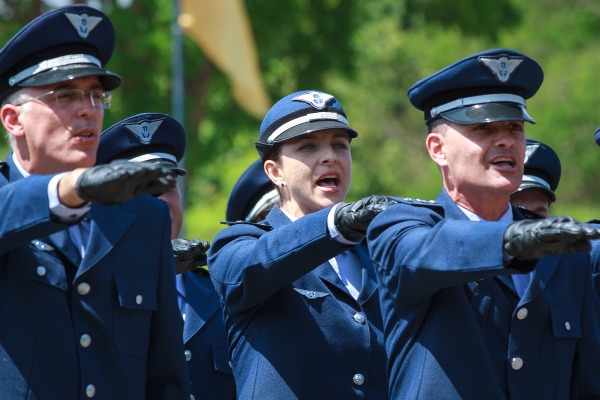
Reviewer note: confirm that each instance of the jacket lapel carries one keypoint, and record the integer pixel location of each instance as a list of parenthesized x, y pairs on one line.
[(65, 245), (202, 304), (108, 225), (540, 277)]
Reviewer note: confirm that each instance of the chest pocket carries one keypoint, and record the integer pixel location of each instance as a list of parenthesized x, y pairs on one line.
[(221, 359), (34, 291), (137, 300), (558, 349)]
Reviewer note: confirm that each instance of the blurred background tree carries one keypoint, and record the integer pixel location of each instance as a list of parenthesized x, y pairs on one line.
[(366, 53)]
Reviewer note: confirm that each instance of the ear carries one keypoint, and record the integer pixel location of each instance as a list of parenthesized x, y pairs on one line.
[(9, 114), (274, 172), (435, 147)]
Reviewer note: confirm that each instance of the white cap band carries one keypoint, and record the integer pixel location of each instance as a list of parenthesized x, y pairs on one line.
[(155, 156), (331, 116), (470, 101), (53, 63)]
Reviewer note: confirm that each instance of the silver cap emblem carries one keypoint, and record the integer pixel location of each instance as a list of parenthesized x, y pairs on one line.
[(83, 23), (143, 130), (316, 100), (502, 67)]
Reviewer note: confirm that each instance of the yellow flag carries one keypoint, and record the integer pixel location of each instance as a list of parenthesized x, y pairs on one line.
[(222, 30)]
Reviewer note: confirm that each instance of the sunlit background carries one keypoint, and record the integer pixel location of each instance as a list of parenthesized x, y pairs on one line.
[(217, 65)]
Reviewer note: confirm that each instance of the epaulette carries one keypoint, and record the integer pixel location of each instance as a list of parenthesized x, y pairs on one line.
[(417, 202), (264, 227), (593, 221)]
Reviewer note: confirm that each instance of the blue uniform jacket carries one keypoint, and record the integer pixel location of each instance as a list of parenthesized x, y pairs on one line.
[(205, 342), (455, 327), (294, 331), (107, 326)]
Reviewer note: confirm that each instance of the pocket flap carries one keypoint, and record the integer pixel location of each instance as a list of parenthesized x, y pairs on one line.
[(137, 292), (221, 358), (565, 321)]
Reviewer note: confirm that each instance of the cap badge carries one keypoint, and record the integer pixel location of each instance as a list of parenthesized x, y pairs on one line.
[(83, 23), (143, 130), (502, 67), (530, 150), (316, 100)]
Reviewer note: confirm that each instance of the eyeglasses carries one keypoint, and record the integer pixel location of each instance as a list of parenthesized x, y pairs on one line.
[(66, 98)]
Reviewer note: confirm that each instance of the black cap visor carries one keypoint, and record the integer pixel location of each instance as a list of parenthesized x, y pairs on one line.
[(531, 182), (168, 164), (487, 112), (108, 80)]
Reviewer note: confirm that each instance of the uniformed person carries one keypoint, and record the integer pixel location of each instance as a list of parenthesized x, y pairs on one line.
[(464, 316), (298, 290), (88, 305), (540, 180), (159, 139), (252, 196)]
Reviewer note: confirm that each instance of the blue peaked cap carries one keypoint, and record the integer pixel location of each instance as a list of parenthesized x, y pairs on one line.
[(66, 43), (300, 113), (484, 87), (252, 193), (151, 137), (542, 168)]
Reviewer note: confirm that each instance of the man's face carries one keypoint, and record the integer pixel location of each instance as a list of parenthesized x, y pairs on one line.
[(49, 138), (535, 200), (481, 159), (173, 199)]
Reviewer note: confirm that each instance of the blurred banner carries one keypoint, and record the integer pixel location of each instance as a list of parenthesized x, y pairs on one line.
[(222, 30)]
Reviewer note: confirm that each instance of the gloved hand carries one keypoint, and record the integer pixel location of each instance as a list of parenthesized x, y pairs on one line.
[(121, 181), (352, 219), (532, 239), (189, 254)]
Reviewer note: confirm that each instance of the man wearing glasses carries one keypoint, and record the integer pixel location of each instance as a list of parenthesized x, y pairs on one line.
[(88, 304)]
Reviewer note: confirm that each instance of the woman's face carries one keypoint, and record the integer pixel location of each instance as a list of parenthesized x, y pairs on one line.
[(315, 170)]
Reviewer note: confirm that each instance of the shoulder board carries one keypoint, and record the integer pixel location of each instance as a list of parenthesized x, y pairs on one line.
[(256, 224), (593, 221), (417, 202)]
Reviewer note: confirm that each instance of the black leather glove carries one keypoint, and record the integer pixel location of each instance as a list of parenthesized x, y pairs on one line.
[(121, 181), (532, 239), (352, 219), (189, 254)]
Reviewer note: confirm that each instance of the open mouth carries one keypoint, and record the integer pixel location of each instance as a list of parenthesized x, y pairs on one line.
[(328, 181), (504, 162)]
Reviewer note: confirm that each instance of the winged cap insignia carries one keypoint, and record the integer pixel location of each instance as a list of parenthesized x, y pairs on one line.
[(144, 130), (83, 23), (316, 100), (502, 67)]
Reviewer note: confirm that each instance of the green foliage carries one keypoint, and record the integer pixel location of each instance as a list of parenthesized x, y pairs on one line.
[(367, 53)]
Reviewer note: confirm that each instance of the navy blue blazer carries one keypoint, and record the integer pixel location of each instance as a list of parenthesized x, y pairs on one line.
[(107, 325), (293, 329), (205, 342), (455, 327)]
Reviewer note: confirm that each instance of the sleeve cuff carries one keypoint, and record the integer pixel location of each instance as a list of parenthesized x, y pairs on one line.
[(333, 232), (61, 212)]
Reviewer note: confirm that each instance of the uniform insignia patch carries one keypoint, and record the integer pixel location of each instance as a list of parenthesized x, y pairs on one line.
[(143, 130), (83, 23), (502, 67), (316, 100)]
